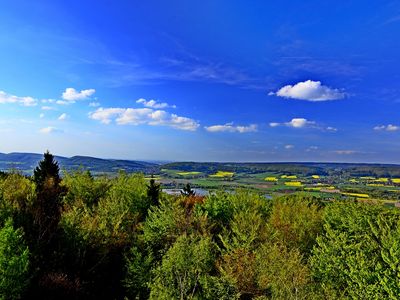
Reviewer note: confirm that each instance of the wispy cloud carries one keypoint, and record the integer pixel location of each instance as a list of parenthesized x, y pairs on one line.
[(46, 107), (24, 101), (229, 127), (148, 116), (309, 90), (389, 127), (63, 117), (49, 130), (346, 152), (94, 104)]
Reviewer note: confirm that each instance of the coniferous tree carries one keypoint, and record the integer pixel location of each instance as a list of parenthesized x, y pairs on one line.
[(187, 191), (47, 209), (153, 191)]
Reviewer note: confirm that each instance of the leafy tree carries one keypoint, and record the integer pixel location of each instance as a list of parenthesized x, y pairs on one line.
[(17, 194), (358, 252), (82, 186), (296, 221), (14, 262), (183, 268), (281, 273)]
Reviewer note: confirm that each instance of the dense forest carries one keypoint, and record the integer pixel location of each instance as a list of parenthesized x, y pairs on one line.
[(77, 236)]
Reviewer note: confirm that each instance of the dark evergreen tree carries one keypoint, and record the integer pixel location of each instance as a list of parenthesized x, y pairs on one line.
[(47, 207), (153, 192), (187, 191)]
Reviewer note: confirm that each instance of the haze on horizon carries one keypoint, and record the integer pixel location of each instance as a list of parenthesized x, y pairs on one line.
[(209, 81)]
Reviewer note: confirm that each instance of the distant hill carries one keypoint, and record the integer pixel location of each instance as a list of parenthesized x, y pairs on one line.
[(26, 162)]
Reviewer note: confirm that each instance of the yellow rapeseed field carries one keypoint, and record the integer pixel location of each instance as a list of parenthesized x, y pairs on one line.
[(356, 195), (293, 183), (273, 179), (222, 174)]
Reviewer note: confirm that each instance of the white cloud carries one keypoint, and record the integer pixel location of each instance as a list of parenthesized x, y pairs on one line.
[(105, 115), (63, 117), (94, 104), (288, 147), (154, 104), (229, 127), (309, 90), (302, 123), (389, 127), (50, 129), (137, 116), (70, 94), (24, 101), (295, 123), (41, 115)]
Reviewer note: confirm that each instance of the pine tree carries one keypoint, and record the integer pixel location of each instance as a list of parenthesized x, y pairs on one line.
[(153, 192), (47, 169), (47, 207), (187, 191)]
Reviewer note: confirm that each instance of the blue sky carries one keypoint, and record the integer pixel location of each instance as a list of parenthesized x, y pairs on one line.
[(202, 80)]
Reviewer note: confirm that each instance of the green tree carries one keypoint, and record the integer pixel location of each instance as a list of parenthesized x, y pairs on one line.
[(183, 268), (358, 252), (14, 262)]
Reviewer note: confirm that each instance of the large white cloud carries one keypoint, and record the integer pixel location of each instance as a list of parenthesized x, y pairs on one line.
[(25, 101), (229, 127), (154, 104), (309, 90), (137, 116), (70, 94)]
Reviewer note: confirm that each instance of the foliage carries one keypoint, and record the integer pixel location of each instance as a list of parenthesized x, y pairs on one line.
[(14, 262), (358, 253), (184, 266)]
